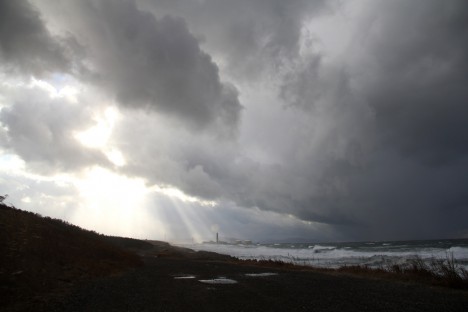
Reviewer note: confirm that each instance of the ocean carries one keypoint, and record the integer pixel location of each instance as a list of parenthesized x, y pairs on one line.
[(335, 255)]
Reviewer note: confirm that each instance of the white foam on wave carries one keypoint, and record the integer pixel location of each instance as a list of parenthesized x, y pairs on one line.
[(459, 252), (184, 277), (330, 256), (320, 248)]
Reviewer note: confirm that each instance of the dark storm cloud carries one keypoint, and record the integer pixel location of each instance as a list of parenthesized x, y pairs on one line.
[(412, 80), (372, 142), (26, 46), (156, 64), (419, 94), (378, 144), (41, 131)]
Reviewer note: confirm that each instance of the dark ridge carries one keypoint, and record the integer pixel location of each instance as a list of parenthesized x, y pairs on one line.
[(41, 256), (128, 243)]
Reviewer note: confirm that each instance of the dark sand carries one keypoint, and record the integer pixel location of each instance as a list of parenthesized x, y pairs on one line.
[(153, 287)]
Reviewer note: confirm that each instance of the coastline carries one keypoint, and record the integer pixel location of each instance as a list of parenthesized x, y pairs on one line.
[(50, 265), (170, 278), (336, 255)]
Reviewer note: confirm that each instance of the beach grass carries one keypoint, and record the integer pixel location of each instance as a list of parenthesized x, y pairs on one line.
[(439, 272)]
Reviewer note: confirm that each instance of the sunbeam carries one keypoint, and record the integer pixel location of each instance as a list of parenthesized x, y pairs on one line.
[(115, 204)]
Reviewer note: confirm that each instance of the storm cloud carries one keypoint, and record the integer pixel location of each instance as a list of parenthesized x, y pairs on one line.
[(361, 139), (150, 63), (42, 131), (26, 45), (398, 118)]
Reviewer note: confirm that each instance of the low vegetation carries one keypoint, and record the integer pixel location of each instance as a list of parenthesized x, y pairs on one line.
[(442, 272)]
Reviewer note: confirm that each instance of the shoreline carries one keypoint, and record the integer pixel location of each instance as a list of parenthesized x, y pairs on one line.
[(50, 265), (336, 255), (436, 271), (174, 279)]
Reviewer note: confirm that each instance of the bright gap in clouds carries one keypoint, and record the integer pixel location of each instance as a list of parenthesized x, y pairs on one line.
[(98, 136), (181, 196), (117, 205), (67, 91), (114, 204)]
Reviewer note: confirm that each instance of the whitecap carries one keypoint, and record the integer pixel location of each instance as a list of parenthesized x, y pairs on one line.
[(458, 252)]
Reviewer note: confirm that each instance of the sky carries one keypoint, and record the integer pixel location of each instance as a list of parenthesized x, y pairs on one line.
[(266, 120)]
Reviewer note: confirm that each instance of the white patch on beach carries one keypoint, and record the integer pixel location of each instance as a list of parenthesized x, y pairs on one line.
[(261, 274), (185, 277), (218, 281)]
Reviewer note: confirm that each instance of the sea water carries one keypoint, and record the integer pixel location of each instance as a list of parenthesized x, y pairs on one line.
[(335, 255)]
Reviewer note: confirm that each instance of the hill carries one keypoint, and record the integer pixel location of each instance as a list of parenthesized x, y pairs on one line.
[(43, 257)]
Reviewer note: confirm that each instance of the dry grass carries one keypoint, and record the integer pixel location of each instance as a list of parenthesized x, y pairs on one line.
[(441, 272)]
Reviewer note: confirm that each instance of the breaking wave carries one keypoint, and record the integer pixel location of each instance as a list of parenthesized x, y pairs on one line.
[(372, 254)]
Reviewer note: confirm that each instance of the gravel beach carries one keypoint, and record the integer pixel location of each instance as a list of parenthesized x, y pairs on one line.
[(170, 278)]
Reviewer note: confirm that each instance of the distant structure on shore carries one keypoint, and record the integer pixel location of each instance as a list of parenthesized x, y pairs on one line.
[(230, 241)]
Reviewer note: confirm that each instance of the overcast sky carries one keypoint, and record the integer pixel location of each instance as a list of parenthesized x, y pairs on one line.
[(271, 120)]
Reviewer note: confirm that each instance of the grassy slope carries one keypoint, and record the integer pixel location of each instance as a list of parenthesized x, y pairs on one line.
[(40, 255)]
